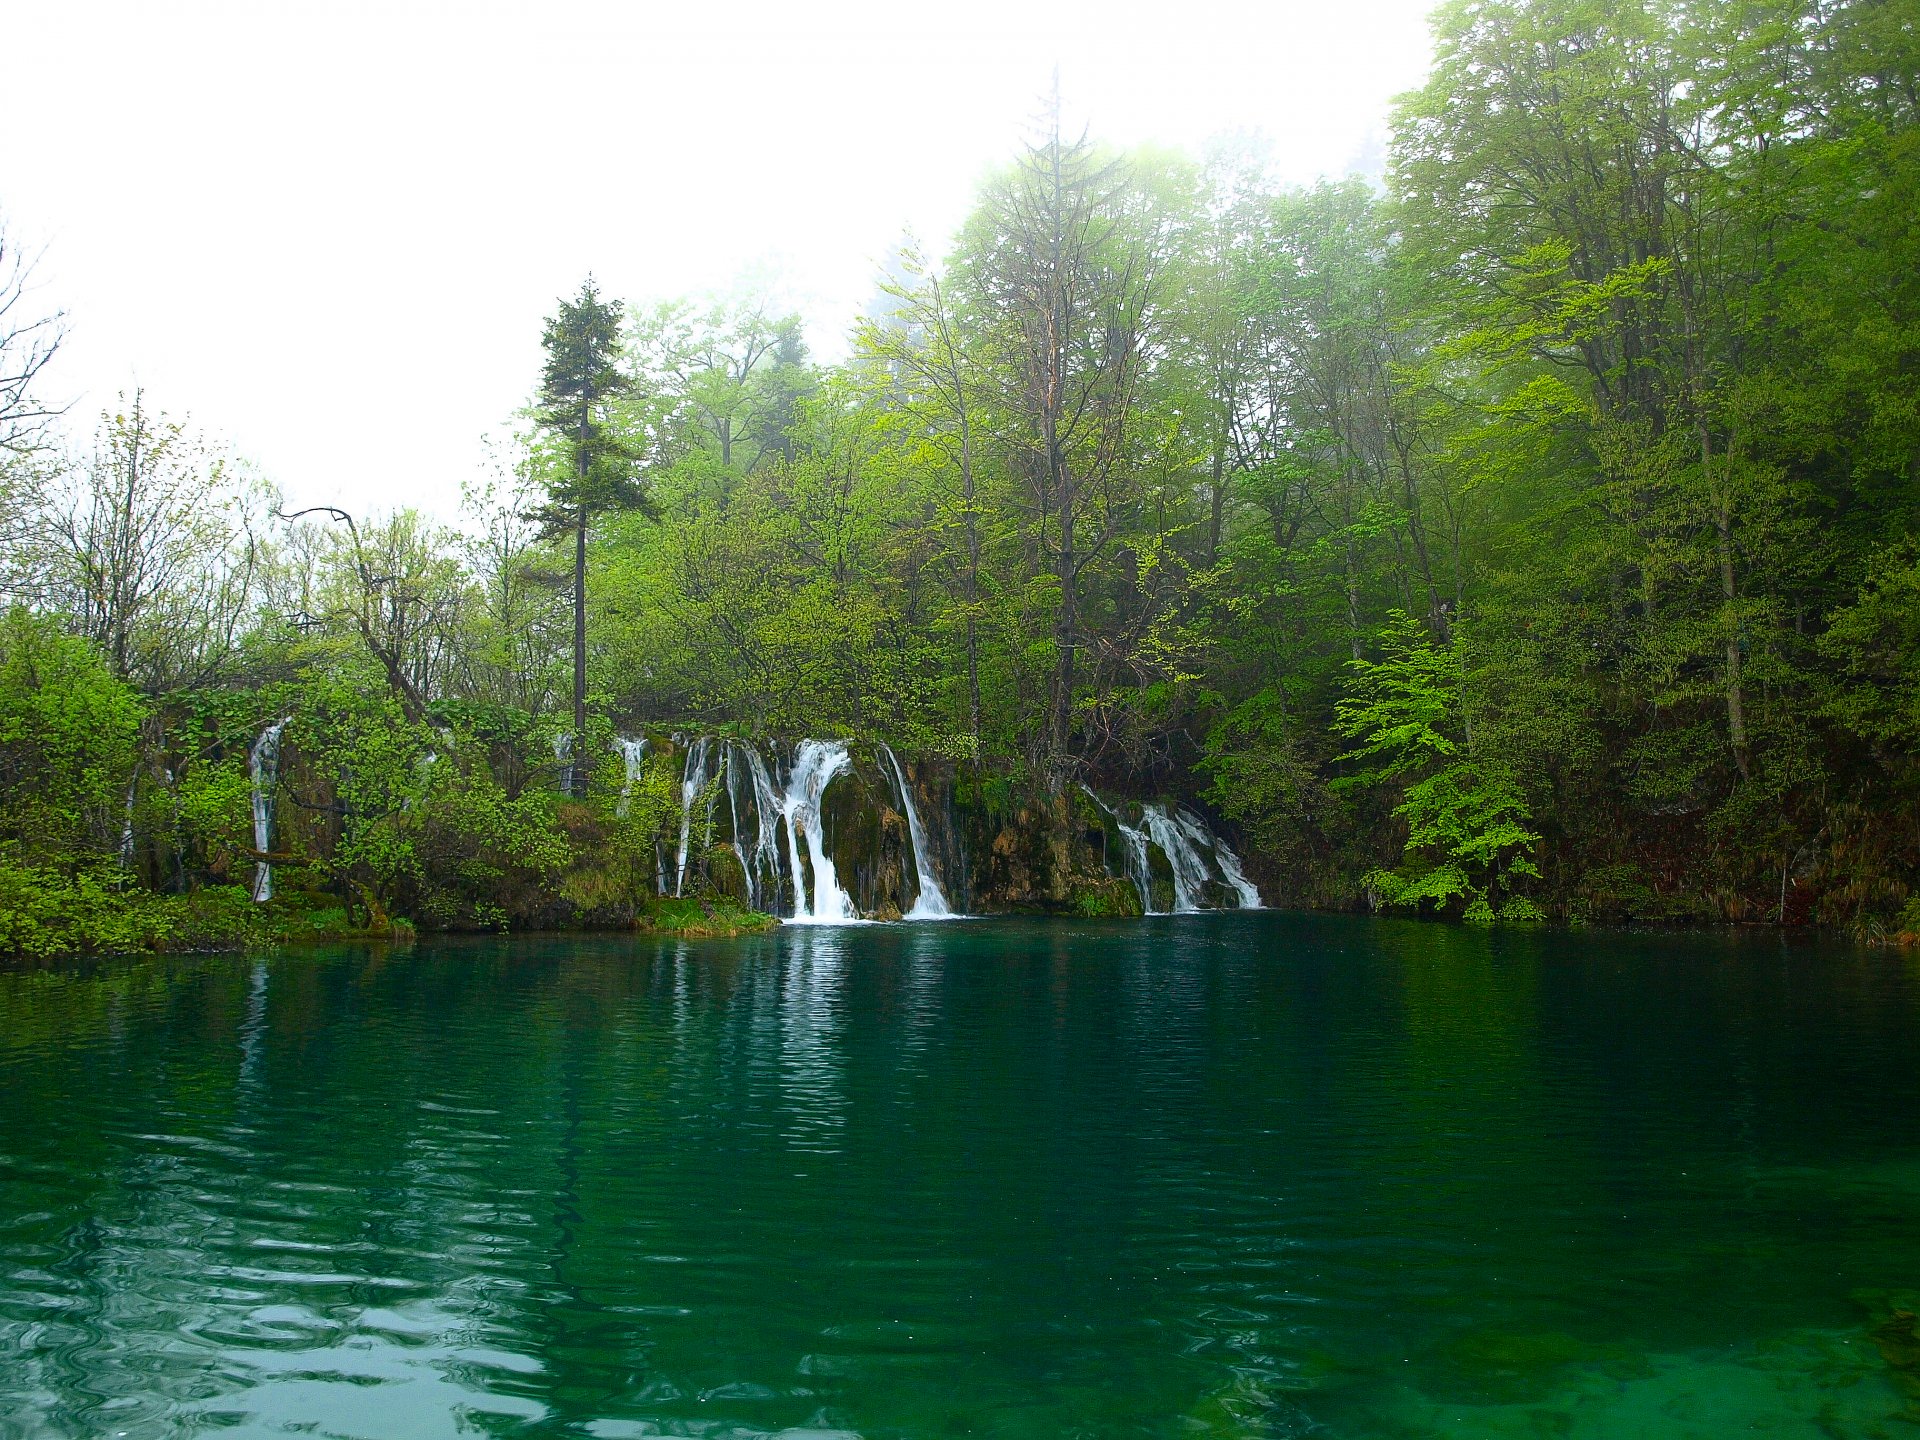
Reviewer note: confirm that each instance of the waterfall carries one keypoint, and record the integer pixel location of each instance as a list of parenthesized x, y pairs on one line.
[(1136, 842), (632, 752), (693, 780), (1229, 865), (1189, 866), (263, 764), (126, 827), (931, 902), (1186, 840), (762, 862), (815, 763), (563, 757)]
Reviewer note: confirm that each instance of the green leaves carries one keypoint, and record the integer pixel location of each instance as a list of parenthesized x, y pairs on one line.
[(68, 730), (1463, 812), (1400, 706)]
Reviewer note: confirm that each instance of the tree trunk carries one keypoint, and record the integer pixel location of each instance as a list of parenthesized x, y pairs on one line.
[(1219, 503), (1353, 603), (973, 576), (122, 553), (1066, 626), (1723, 526), (577, 769)]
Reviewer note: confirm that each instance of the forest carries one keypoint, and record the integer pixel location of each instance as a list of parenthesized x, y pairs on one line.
[(1530, 535)]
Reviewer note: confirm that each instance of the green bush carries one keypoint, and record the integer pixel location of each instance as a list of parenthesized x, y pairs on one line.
[(44, 912)]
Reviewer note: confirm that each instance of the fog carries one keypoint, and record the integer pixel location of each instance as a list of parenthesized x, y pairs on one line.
[(330, 233)]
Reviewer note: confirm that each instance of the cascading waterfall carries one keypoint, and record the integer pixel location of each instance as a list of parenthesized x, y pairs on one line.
[(263, 765), (1186, 841), (1228, 862), (815, 763), (931, 902), (693, 780), (1136, 842), (1183, 858), (774, 800), (632, 752)]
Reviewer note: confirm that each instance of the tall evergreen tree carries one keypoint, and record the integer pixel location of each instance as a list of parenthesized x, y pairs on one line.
[(582, 374)]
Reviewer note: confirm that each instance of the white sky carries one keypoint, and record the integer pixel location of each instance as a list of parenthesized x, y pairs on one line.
[(329, 231)]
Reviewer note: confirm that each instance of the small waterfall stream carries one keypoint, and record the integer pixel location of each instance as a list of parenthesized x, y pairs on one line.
[(693, 780), (931, 902), (1183, 858), (263, 766), (633, 752), (1228, 862), (126, 826)]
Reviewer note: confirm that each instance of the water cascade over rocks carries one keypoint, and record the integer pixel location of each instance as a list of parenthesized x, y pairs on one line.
[(1135, 841), (263, 765), (823, 832), (1183, 857), (1231, 870), (126, 826), (815, 763), (1203, 872)]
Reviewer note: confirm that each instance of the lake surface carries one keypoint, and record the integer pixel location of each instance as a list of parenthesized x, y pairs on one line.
[(1244, 1175)]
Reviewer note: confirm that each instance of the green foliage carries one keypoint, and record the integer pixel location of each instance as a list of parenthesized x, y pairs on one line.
[(1104, 898), (1463, 814), (46, 911), (702, 917), (580, 378), (1876, 642), (67, 735)]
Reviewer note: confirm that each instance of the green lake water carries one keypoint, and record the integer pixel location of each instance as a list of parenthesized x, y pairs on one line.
[(1240, 1175)]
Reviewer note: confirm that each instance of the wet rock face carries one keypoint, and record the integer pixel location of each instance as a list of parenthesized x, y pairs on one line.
[(867, 838), (1037, 855)]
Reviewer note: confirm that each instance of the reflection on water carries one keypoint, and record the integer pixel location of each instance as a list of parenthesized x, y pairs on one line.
[(1230, 1176)]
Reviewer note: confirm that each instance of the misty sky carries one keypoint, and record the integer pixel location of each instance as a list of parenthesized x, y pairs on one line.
[(330, 231)]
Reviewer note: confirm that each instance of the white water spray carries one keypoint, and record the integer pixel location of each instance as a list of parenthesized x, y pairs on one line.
[(1189, 866), (815, 763), (692, 781), (1186, 841), (632, 752), (126, 827), (1136, 843)]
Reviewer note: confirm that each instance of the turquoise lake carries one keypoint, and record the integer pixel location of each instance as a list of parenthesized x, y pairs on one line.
[(1233, 1175)]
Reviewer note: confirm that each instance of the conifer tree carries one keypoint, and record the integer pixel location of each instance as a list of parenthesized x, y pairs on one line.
[(581, 376)]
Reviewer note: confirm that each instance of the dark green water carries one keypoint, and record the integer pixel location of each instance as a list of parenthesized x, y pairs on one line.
[(1232, 1176)]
